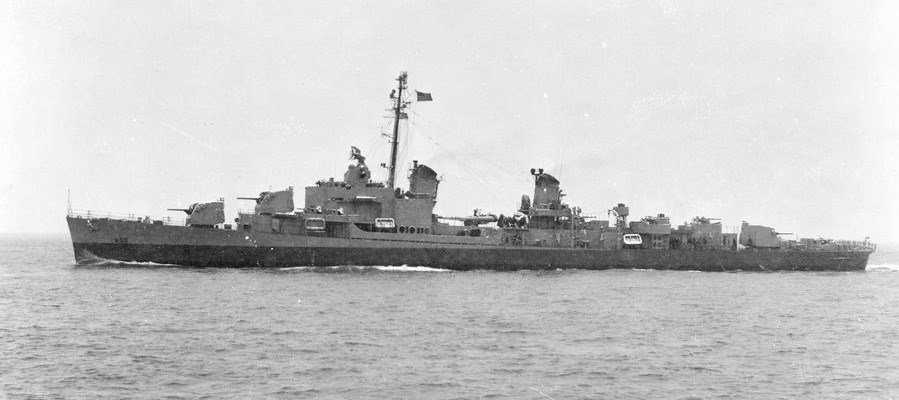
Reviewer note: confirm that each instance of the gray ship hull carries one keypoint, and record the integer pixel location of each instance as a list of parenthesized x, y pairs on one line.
[(130, 241)]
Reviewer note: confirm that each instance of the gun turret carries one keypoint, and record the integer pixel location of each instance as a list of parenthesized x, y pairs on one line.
[(273, 202), (188, 210), (204, 214)]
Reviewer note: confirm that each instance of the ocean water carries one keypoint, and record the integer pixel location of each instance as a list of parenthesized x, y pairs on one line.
[(151, 332)]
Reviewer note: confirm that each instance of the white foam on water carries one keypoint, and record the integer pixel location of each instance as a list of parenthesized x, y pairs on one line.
[(100, 262), (97, 261), (294, 268), (406, 268), (361, 268), (882, 267), (150, 264)]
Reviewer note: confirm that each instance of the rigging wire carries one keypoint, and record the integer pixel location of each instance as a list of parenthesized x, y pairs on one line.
[(402, 157), (560, 162), (463, 165), (409, 123), (526, 177), (488, 159)]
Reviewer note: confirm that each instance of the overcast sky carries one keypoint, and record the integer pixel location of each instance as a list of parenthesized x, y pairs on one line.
[(778, 113)]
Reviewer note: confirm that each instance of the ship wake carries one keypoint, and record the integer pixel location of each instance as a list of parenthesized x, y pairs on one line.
[(882, 268)]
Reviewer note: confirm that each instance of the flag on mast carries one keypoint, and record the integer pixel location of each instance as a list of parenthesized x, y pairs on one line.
[(355, 153), (422, 96)]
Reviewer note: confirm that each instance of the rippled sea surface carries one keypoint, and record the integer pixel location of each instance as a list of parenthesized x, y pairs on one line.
[(120, 331)]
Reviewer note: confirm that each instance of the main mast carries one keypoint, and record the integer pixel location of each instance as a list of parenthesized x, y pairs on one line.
[(398, 107)]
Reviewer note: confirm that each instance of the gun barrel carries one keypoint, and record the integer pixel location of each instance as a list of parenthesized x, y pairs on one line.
[(248, 198)]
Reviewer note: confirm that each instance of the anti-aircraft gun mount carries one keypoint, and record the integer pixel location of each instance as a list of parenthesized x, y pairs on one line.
[(477, 218)]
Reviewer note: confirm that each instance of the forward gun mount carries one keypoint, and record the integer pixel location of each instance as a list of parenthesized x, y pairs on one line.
[(204, 215)]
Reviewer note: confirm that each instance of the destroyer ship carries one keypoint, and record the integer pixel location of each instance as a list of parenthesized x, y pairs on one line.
[(357, 221)]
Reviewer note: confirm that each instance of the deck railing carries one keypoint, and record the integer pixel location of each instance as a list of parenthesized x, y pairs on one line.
[(859, 245), (90, 214)]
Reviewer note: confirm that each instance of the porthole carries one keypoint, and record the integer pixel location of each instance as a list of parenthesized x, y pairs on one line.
[(402, 229)]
